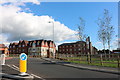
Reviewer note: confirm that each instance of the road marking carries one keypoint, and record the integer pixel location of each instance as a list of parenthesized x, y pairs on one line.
[(37, 76), (12, 67), (15, 67)]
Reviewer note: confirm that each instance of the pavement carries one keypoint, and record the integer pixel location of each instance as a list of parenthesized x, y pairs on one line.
[(86, 67)]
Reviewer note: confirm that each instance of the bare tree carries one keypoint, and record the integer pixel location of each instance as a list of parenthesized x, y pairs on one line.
[(81, 26), (80, 34), (110, 31), (109, 27), (102, 37), (102, 32), (106, 30)]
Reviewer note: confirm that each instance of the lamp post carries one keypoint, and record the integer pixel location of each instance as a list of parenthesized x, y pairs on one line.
[(53, 28), (53, 37)]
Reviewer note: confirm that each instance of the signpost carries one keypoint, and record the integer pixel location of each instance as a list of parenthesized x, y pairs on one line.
[(23, 64)]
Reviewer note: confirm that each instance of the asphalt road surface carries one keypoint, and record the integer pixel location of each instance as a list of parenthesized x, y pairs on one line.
[(46, 69)]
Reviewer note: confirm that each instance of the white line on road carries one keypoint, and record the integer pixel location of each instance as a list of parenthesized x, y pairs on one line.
[(37, 76), (12, 67), (17, 68)]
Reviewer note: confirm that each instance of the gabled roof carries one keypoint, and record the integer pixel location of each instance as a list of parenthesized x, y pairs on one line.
[(15, 43), (2, 46)]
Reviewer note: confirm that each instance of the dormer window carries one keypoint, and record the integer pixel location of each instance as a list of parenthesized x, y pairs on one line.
[(37, 43), (51, 45), (33, 44), (42, 43), (23, 45)]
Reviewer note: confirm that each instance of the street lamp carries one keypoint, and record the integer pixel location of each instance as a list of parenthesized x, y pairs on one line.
[(53, 37), (53, 28)]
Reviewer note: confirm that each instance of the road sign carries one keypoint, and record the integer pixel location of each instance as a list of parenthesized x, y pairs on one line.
[(23, 63), (23, 56)]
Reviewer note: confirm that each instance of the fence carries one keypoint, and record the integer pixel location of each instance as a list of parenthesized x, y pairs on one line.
[(17, 55), (110, 60)]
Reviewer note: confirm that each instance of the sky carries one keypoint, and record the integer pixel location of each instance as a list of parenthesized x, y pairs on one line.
[(30, 21)]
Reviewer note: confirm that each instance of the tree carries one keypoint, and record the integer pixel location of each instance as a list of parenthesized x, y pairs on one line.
[(102, 31), (81, 26), (106, 30), (109, 28), (80, 34), (102, 37)]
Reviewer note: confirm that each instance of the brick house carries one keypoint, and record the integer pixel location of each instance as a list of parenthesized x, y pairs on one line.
[(17, 48), (73, 48), (4, 49), (34, 48), (79, 47)]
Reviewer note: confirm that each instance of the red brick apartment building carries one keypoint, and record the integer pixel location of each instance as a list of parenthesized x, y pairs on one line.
[(43, 48), (4, 49), (79, 47)]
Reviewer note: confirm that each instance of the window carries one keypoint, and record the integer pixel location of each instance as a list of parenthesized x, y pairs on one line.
[(37, 43), (84, 45), (43, 43), (74, 49), (84, 48), (43, 50), (66, 49), (74, 45), (60, 50), (30, 43), (23, 45), (33, 44)]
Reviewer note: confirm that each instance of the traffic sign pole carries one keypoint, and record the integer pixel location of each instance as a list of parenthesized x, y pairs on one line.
[(23, 64)]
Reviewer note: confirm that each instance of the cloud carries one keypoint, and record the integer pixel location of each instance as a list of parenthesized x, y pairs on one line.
[(20, 1), (115, 43), (17, 25)]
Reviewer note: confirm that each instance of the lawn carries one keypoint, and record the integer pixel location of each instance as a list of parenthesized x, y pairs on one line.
[(94, 61)]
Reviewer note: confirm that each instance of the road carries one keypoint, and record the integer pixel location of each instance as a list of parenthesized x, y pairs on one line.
[(46, 69)]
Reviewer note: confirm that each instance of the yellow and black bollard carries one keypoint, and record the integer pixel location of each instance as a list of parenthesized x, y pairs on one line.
[(23, 64)]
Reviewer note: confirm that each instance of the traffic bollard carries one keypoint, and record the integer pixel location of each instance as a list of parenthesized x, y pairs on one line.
[(2, 59), (23, 64)]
